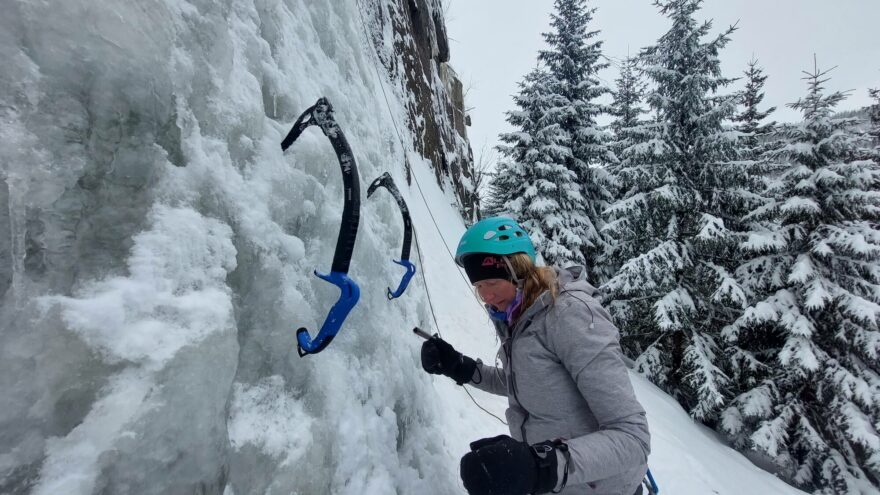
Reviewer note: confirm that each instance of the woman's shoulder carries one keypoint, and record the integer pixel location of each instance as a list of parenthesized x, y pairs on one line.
[(580, 312), (575, 301)]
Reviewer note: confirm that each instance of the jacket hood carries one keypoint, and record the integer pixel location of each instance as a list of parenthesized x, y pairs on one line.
[(574, 278)]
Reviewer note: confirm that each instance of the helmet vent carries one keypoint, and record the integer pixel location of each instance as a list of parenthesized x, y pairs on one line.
[(489, 235), (503, 237), (503, 227)]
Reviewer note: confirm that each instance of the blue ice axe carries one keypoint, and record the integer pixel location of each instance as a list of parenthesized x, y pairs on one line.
[(387, 182), (321, 114)]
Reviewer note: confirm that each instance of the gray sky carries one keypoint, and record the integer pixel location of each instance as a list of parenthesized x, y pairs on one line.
[(494, 43)]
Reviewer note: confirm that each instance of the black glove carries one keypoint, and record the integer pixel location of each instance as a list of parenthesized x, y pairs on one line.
[(440, 358), (502, 465)]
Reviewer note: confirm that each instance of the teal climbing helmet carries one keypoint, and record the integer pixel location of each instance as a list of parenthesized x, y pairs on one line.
[(495, 235)]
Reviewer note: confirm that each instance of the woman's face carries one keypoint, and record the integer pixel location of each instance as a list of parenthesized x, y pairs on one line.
[(496, 292)]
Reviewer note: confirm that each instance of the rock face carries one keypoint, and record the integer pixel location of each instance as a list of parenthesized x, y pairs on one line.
[(420, 61)]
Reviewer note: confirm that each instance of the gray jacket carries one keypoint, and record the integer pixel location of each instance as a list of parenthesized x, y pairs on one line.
[(564, 377)]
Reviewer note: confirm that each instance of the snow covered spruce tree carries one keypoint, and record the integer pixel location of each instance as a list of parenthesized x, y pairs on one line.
[(810, 336), (631, 144), (758, 140), (758, 146), (672, 298), (626, 108), (493, 203), (874, 113), (573, 59), (532, 182), (757, 136)]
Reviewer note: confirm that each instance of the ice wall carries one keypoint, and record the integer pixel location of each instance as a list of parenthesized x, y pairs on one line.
[(160, 249)]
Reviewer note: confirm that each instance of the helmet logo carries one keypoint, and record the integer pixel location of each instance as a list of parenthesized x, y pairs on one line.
[(493, 261), (488, 235)]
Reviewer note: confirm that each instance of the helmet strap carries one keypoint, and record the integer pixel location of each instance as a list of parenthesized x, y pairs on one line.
[(513, 276)]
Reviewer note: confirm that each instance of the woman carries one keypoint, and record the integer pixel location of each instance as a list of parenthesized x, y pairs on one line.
[(576, 425)]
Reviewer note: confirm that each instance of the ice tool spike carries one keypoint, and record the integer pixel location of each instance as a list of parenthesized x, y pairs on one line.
[(321, 115), (387, 182)]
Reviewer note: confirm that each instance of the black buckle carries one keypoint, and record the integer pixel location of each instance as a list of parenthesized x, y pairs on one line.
[(561, 446)]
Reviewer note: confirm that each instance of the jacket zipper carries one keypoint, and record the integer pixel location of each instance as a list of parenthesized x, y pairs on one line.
[(508, 349)]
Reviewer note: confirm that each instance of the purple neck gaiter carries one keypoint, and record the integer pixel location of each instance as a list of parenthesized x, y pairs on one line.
[(512, 311)]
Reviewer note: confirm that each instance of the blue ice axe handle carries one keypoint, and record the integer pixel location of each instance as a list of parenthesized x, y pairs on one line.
[(348, 297), (654, 488), (404, 282)]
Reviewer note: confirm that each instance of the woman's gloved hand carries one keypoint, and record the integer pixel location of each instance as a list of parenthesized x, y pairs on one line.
[(440, 358), (503, 465)]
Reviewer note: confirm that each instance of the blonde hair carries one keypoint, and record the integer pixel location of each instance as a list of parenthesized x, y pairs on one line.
[(534, 279)]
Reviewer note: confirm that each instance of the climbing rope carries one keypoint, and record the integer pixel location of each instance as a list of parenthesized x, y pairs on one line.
[(427, 207)]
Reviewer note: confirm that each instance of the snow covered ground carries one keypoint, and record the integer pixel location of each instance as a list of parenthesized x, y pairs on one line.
[(162, 251)]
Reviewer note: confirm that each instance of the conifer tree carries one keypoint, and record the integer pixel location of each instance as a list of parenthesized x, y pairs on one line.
[(630, 136), (627, 106), (573, 58), (750, 121), (874, 113), (493, 203), (759, 143), (533, 183), (809, 337), (672, 299), (758, 139)]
